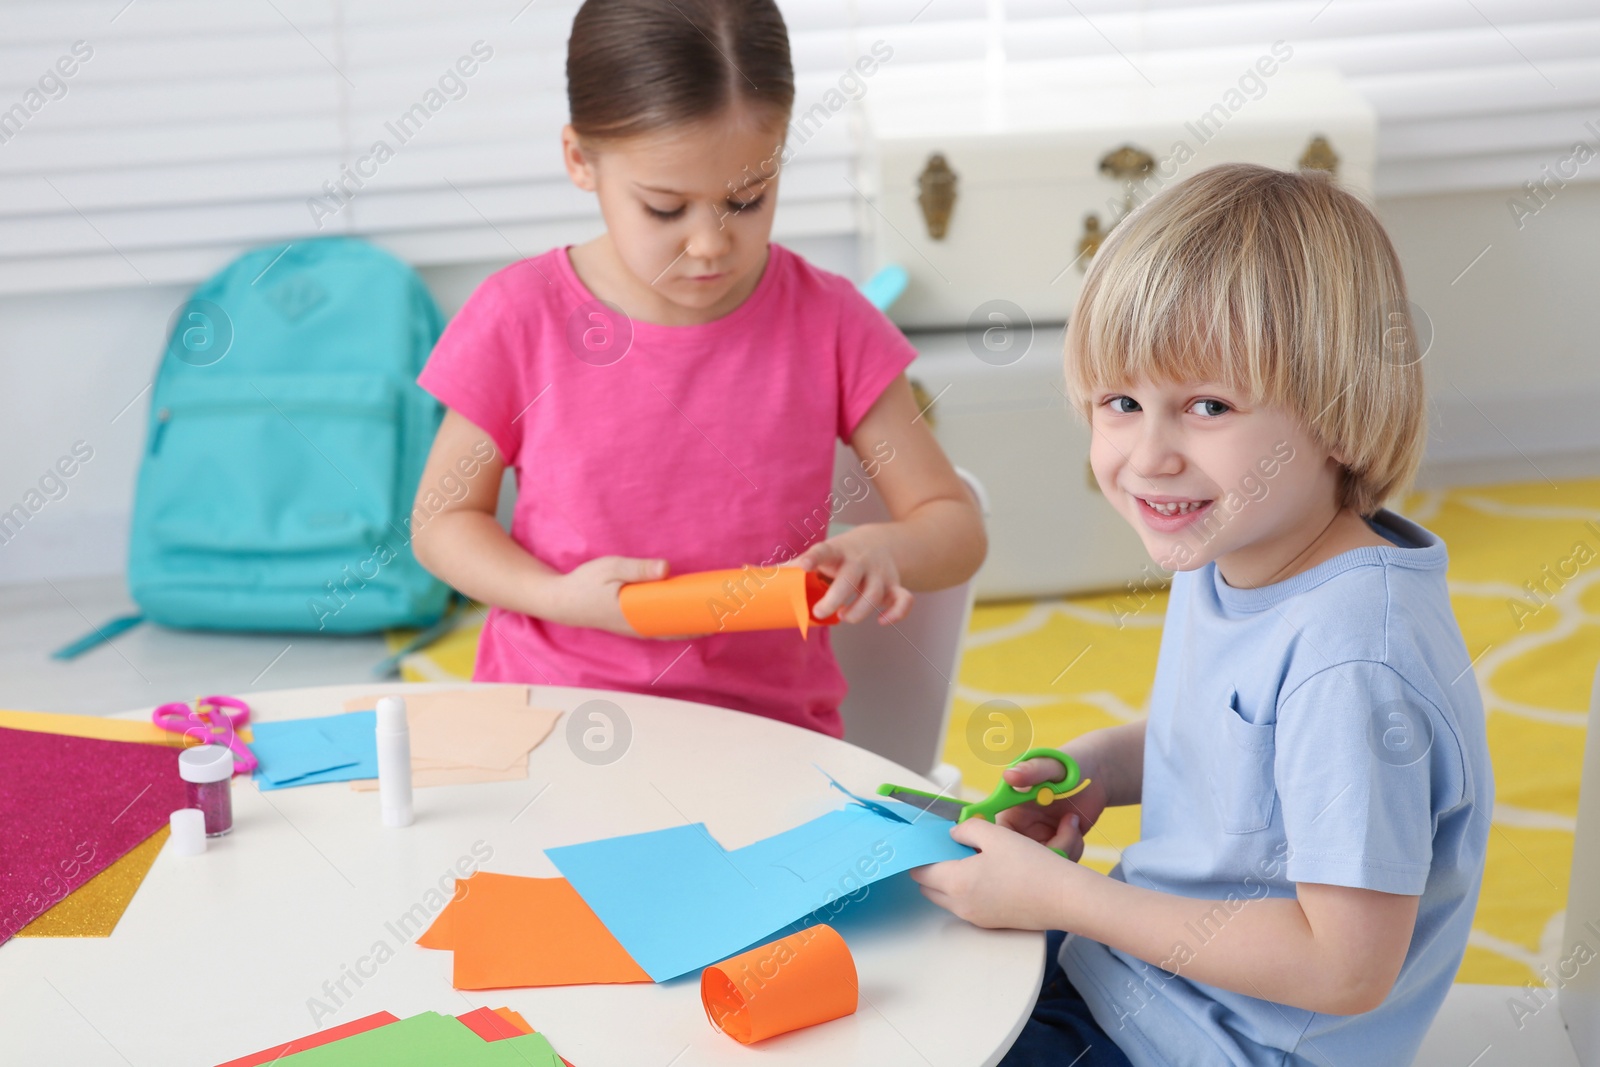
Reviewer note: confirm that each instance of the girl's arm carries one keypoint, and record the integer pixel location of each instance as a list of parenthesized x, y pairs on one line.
[(463, 544), (936, 538)]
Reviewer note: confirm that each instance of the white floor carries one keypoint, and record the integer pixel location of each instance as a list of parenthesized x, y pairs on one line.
[(149, 664)]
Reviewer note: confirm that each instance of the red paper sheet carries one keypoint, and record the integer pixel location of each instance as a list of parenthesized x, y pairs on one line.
[(321, 1037), (69, 808)]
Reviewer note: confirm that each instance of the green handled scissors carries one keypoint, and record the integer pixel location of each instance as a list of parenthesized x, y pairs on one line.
[(1004, 796)]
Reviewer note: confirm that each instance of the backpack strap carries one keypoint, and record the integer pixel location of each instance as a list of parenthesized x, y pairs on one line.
[(98, 636)]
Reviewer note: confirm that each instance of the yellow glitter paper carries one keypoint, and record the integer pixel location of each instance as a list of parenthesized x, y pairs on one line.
[(93, 909), (141, 730)]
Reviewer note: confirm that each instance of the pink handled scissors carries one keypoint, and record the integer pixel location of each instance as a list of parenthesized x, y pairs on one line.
[(213, 720)]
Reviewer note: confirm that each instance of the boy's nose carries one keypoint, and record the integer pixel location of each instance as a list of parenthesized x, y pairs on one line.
[(1156, 452)]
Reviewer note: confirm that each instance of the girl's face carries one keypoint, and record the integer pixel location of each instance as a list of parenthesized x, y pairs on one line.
[(688, 211), (1203, 476)]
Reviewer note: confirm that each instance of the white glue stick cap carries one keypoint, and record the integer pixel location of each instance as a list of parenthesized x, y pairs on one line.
[(394, 762), (188, 831)]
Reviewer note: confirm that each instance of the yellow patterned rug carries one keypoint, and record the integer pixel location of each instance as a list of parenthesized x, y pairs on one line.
[(1535, 653)]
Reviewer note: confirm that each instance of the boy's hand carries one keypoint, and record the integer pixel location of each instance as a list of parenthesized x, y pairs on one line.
[(864, 576), (588, 595), (1012, 883), (1063, 823)]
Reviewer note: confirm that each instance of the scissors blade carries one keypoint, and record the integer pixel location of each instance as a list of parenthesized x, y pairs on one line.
[(940, 806)]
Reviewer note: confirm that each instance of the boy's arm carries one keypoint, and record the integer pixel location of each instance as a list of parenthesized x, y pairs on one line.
[(1332, 949), (936, 538)]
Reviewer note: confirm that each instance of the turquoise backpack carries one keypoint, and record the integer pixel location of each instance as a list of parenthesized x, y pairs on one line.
[(287, 436)]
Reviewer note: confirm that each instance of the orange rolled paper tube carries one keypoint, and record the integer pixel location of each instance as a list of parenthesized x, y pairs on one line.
[(710, 602), (795, 981)]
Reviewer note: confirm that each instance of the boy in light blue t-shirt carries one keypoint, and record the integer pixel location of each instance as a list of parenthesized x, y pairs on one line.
[(1314, 772)]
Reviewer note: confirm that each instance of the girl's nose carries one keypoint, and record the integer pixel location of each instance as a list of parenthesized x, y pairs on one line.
[(710, 239)]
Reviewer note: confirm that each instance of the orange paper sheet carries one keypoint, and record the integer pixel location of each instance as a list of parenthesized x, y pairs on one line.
[(509, 931), (795, 981), (709, 602)]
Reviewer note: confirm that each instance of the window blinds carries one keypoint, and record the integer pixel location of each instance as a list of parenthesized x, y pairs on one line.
[(151, 141)]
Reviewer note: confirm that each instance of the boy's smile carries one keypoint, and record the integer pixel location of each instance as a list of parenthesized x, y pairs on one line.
[(1203, 475)]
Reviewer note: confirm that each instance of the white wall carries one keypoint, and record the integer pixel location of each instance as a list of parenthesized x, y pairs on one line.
[(1514, 378)]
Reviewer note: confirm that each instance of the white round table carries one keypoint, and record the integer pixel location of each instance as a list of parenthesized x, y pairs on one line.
[(223, 954)]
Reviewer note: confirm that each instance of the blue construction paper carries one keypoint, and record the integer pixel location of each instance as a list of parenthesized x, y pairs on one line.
[(334, 748), (678, 901)]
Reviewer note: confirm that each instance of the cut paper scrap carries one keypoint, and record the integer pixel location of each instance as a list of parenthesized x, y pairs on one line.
[(333, 748), (137, 730), (498, 1024), (495, 1024), (460, 736), (508, 931), (427, 1040), (677, 901), (71, 807), (709, 602), (276, 1053), (94, 908), (795, 981)]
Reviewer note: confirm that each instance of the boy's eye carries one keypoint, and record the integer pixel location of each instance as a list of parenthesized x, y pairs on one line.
[(1209, 408), (1123, 405), (665, 216), (737, 206)]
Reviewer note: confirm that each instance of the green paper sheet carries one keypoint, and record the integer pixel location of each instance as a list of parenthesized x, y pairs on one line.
[(427, 1040)]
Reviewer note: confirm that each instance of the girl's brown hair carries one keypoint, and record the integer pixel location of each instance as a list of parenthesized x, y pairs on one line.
[(1281, 285), (642, 66)]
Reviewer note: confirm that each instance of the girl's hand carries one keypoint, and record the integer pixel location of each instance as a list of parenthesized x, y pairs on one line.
[(1012, 883), (864, 576), (1063, 823), (588, 594)]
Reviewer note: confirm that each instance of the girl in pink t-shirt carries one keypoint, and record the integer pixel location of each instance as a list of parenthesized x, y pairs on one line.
[(669, 393)]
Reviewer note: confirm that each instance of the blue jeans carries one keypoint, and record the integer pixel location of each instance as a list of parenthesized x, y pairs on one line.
[(1061, 1027)]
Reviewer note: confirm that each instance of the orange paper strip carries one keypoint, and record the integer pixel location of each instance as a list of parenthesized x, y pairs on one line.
[(709, 602), (795, 981), (510, 931)]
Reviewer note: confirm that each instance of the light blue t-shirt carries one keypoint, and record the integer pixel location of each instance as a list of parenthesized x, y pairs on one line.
[(1328, 729)]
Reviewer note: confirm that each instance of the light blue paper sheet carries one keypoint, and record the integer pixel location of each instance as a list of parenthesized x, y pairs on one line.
[(678, 901), (334, 748)]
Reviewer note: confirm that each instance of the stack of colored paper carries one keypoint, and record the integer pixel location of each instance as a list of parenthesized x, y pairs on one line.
[(460, 736), (70, 808), (482, 1038), (333, 748), (94, 908)]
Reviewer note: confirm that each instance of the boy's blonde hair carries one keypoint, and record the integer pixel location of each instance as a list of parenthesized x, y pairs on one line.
[(1282, 286)]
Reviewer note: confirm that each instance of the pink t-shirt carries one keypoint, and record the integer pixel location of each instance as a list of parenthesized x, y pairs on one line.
[(709, 446)]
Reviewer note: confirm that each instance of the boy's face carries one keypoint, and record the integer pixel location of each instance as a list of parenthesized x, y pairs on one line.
[(689, 211), (1203, 476)]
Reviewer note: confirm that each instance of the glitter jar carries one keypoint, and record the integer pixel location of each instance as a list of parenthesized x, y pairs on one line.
[(208, 772)]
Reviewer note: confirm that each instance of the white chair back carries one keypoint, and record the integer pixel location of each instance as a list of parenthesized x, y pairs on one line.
[(1580, 997), (903, 676)]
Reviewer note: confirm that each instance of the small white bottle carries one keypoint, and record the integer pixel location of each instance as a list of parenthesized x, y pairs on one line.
[(394, 762)]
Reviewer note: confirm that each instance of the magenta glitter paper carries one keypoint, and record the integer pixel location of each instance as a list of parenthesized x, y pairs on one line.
[(69, 808)]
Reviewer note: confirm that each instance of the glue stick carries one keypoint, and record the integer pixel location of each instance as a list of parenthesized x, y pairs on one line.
[(394, 762)]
